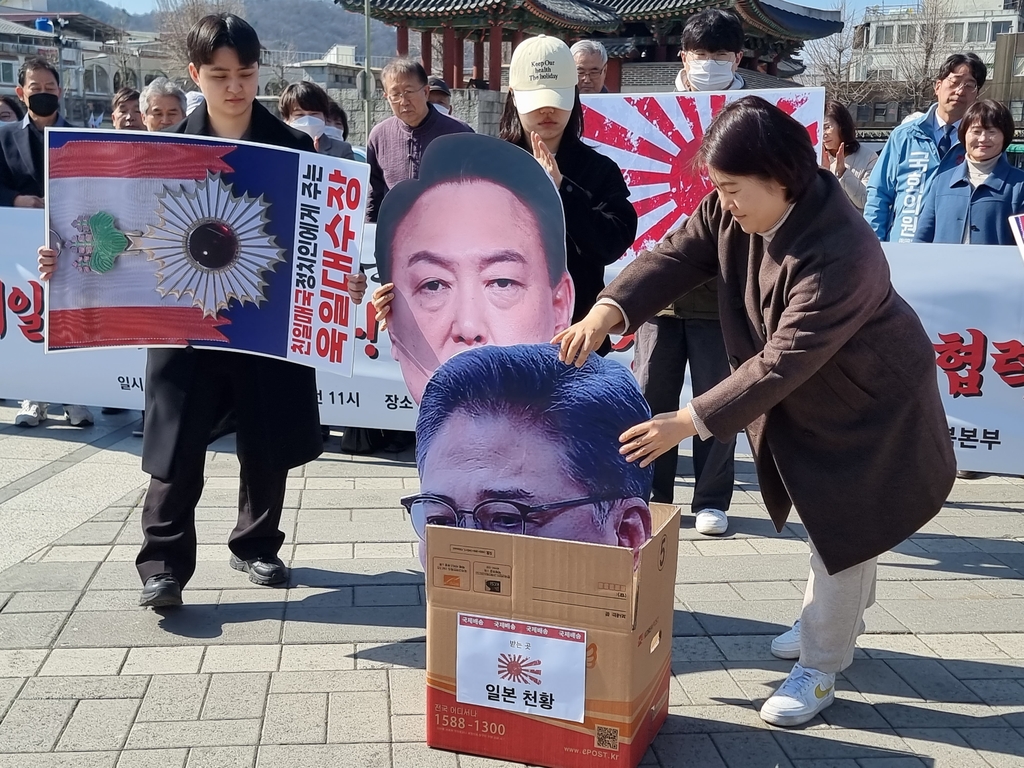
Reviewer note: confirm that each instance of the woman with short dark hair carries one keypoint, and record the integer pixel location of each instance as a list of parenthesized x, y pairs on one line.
[(306, 106), (844, 156), (10, 110), (971, 203), (833, 375)]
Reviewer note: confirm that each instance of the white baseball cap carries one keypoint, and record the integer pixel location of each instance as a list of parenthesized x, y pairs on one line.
[(542, 74)]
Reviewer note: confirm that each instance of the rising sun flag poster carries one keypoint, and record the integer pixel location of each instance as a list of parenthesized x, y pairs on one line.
[(170, 240), (654, 139)]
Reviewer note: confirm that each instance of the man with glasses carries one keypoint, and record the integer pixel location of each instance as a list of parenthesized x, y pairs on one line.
[(591, 66), (711, 51), (919, 149), (396, 146), (511, 440)]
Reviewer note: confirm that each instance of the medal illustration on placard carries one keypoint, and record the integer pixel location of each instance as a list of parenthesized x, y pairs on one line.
[(212, 245), (99, 242)]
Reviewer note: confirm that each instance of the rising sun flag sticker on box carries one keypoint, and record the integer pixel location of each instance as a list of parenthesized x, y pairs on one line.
[(171, 240), (654, 140)]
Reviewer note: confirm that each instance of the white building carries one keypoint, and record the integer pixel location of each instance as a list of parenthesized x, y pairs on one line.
[(888, 31)]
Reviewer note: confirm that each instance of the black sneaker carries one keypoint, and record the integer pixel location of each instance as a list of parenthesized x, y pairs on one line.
[(160, 591), (265, 571)]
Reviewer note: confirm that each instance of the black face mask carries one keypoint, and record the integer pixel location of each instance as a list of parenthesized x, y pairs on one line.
[(43, 104)]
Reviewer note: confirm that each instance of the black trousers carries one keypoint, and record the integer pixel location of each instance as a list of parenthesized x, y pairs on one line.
[(168, 514), (664, 345)]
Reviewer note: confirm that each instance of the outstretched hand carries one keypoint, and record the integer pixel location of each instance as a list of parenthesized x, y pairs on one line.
[(580, 339), (545, 158), (647, 441)]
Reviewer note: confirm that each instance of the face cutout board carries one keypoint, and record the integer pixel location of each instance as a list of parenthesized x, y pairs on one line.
[(476, 249), (510, 439)]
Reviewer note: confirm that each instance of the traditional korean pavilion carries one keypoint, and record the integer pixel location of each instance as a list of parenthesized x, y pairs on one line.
[(647, 30)]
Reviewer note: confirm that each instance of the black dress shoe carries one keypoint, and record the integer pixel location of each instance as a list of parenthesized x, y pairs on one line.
[(965, 474), (265, 571), (160, 591)]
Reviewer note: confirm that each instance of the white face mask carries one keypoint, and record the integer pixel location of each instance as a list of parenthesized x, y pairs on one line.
[(333, 132), (441, 108), (309, 125), (709, 75)]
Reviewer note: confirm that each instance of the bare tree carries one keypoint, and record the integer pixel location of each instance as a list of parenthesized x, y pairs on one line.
[(920, 44), (176, 17), (829, 62)]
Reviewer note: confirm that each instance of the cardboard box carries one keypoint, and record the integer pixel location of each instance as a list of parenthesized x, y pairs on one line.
[(626, 614)]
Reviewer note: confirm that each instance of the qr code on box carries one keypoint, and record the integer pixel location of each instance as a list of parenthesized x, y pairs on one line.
[(607, 738)]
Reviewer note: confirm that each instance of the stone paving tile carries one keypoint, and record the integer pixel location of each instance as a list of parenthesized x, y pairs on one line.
[(199, 733), (932, 681), (83, 661), (421, 756), (687, 750), (221, 757), (750, 750), (358, 716), (42, 602), (295, 718), (999, 746), (241, 658), (34, 726), (21, 662), (408, 691), (325, 756), (963, 646), (153, 758), (174, 697), (98, 724), (236, 696), (211, 624), (125, 687), (29, 630), (60, 760), (322, 656), (163, 661)]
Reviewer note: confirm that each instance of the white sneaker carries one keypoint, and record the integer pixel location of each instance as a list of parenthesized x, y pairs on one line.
[(803, 695), (712, 522), (31, 414), (787, 645), (78, 415)]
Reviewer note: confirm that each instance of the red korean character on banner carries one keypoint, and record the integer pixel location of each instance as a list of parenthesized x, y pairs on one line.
[(962, 362), (347, 233), (342, 192), (1009, 362), (29, 309), (330, 344)]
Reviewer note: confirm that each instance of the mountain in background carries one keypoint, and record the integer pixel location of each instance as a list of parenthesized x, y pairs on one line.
[(299, 25)]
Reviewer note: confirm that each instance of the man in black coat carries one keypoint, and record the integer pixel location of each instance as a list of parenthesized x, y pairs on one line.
[(191, 394)]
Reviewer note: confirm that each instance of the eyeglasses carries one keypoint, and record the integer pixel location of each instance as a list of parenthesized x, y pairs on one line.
[(710, 55), (489, 515), (398, 98), (589, 74), (963, 86)]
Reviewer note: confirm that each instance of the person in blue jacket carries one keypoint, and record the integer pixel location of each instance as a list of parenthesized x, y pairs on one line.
[(972, 202), (919, 149)]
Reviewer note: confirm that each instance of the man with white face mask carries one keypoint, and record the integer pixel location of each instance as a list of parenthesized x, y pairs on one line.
[(712, 48), (305, 106), (689, 331)]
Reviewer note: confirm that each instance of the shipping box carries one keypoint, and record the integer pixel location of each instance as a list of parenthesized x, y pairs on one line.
[(536, 593)]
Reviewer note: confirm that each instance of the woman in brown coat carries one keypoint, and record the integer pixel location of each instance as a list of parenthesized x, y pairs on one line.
[(833, 376)]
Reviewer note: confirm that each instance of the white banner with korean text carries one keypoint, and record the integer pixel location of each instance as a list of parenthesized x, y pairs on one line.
[(970, 298)]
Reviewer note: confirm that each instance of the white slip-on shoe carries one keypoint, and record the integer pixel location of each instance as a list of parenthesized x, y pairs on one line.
[(711, 522), (78, 415), (787, 645), (800, 697), (31, 414)]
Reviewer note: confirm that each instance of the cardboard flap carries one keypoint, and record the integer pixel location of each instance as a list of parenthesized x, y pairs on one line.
[(651, 588)]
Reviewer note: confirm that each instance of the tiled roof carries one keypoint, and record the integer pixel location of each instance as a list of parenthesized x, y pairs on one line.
[(573, 14)]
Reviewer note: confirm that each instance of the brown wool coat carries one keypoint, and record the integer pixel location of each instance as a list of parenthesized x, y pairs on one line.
[(833, 374)]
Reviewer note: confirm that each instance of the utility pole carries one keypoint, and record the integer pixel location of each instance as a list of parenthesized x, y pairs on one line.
[(367, 76)]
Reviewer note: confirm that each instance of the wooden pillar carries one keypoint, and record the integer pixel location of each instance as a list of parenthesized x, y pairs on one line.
[(402, 40), (478, 58), (773, 67), (613, 78), (459, 64), (494, 63), (448, 55), (517, 38), (427, 50)]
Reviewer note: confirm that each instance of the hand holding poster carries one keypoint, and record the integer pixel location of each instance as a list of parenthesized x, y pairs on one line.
[(182, 240)]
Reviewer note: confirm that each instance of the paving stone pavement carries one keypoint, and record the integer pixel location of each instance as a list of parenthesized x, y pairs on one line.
[(329, 671)]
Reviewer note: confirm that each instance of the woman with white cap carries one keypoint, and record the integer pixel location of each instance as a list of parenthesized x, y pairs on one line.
[(543, 115)]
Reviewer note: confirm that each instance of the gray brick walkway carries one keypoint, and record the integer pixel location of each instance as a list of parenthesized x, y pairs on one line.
[(329, 672)]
